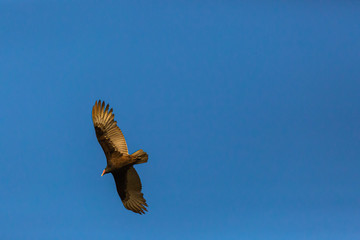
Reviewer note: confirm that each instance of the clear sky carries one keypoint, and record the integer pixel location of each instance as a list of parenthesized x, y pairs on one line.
[(249, 113)]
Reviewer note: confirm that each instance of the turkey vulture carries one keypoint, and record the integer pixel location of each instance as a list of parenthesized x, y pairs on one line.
[(119, 162)]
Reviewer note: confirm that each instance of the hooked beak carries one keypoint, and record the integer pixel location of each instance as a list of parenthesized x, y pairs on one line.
[(103, 173)]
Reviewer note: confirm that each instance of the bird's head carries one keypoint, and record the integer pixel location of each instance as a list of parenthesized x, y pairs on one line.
[(106, 170)]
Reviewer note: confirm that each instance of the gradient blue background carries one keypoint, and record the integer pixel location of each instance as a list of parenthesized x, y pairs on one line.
[(250, 114)]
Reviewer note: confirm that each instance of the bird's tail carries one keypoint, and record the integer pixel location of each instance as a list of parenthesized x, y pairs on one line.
[(140, 156)]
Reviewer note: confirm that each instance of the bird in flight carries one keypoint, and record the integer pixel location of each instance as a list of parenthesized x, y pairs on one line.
[(119, 162)]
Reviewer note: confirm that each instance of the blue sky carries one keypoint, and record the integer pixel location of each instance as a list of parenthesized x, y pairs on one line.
[(249, 112)]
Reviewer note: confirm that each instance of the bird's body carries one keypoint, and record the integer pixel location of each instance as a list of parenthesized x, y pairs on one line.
[(119, 161)]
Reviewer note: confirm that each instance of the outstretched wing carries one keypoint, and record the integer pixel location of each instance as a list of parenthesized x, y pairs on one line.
[(108, 133), (128, 186)]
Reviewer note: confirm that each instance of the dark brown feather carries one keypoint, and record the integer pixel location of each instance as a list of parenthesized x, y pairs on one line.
[(128, 186), (108, 133)]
